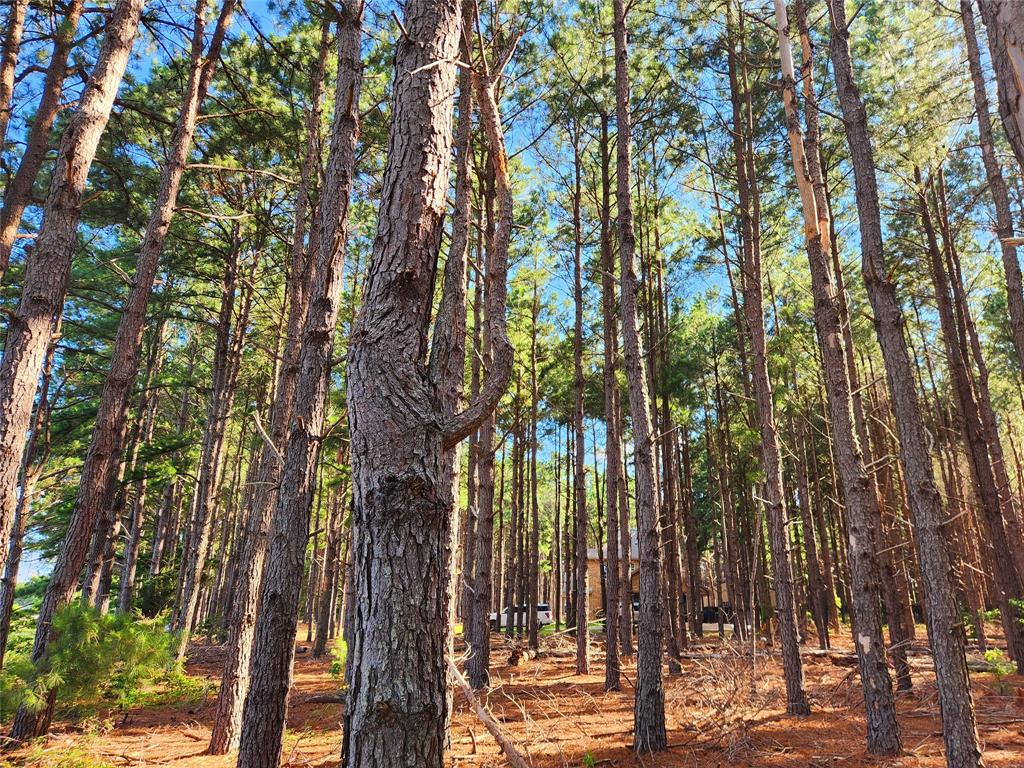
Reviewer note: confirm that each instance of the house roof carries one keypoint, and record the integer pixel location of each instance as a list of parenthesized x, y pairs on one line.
[(634, 548)]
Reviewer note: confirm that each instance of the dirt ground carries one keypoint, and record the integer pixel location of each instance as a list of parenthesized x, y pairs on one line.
[(724, 709)]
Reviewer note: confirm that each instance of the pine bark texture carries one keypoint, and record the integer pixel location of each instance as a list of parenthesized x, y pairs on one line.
[(945, 631), (266, 704), (9, 61), (1005, 22), (18, 193), (29, 333), (649, 700), (399, 696)]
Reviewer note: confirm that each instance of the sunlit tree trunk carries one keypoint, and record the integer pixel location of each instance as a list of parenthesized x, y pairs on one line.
[(32, 324), (649, 700), (945, 630), (266, 704), (18, 193)]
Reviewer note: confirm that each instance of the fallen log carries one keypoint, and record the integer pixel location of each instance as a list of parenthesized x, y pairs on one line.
[(512, 755)]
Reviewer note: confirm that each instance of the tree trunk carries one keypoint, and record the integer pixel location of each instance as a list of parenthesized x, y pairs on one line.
[(31, 327), (579, 472), (883, 735), (231, 332), (1005, 22), (18, 193), (399, 699), (996, 185), (36, 453), (241, 624), (266, 704), (975, 443), (649, 701), (614, 593), (944, 625), (9, 62)]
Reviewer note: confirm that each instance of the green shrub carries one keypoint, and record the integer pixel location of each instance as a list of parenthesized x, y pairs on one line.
[(339, 653), (95, 661)]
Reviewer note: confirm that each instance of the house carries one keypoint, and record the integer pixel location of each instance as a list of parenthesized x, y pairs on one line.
[(595, 564)]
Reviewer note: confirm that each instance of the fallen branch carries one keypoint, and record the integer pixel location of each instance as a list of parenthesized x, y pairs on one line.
[(512, 755)]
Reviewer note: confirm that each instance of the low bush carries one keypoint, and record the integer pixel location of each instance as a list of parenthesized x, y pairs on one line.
[(97, 660)]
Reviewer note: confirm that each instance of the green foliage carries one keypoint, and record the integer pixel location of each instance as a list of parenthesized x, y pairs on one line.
[(339, 654), (1001, 666), (97, 660), (42, 757)]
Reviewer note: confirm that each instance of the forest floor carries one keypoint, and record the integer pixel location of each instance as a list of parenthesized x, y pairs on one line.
[(725, 709)]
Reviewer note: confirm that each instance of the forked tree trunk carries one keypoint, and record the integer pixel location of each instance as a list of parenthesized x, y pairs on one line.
[(883, 735), (266, 705), (18, 193), (649, 700), (31, 327), (399, 700), (945, 630)]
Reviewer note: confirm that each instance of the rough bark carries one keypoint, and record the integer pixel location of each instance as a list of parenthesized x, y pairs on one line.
[(883, 734), (9, 61), (1005, 22), (36, 452), (266, 704), (649, 701), (31, 327), (944, 626), (18, 193), (399, 703), (241, 624)]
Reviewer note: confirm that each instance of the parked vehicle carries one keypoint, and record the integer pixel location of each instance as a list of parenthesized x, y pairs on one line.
[(517, 615)]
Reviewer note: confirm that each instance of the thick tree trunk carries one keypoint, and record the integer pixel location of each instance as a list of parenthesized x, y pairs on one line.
[(266, 703), (36, 453), (649, 701), (29, 334), (18, 193), (944, 624), (399, 699)]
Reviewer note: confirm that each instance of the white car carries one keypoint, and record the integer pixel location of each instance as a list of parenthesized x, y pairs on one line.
[(512, 613)]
